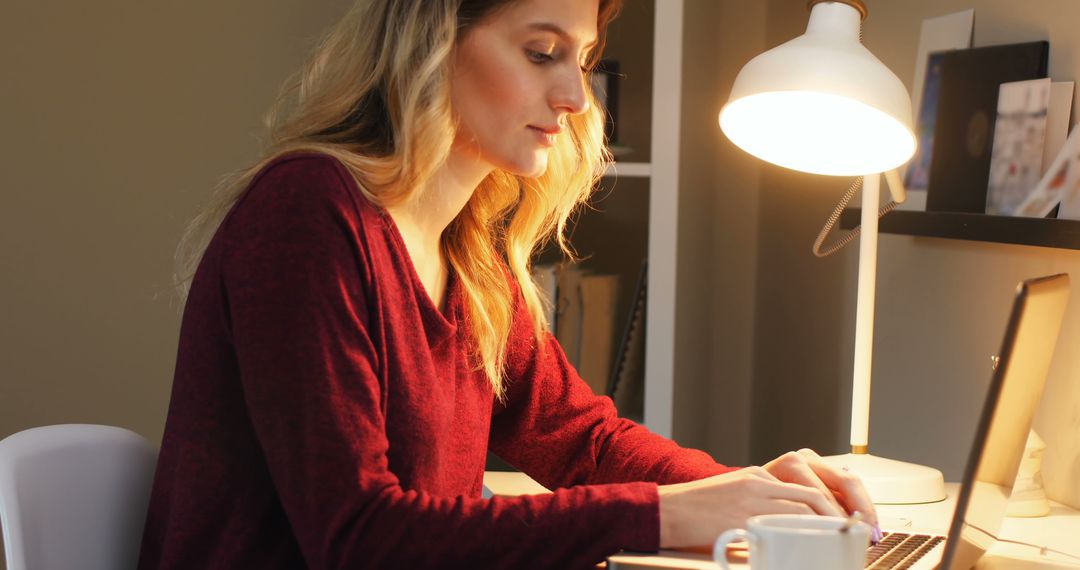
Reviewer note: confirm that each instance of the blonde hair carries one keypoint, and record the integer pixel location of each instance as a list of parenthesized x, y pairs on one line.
[(375, 96)]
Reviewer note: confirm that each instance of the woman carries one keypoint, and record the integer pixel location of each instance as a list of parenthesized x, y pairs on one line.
[(362, 328)]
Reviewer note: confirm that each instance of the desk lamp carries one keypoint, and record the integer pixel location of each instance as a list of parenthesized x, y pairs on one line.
[(822, 103)]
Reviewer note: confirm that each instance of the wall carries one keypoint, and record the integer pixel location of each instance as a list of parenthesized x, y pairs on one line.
[(800, 368), (118, 119), (942, 304), (717, 236)]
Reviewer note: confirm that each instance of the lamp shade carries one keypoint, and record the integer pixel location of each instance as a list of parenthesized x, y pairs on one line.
[(822, 103)]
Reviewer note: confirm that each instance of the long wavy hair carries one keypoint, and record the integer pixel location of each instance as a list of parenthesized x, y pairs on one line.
[(375, 95)]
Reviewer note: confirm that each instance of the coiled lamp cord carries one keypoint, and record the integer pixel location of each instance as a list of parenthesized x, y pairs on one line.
[(846, 238)]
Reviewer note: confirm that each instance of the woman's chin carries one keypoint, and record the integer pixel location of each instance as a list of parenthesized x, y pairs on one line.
[(534, 168)]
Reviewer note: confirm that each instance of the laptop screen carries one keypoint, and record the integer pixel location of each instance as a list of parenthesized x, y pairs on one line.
[(1011, 401)]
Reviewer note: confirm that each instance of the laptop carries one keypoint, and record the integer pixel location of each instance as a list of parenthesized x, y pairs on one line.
[(1011, 401)]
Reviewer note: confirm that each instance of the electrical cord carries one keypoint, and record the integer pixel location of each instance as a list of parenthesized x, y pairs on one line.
[(854, 232)]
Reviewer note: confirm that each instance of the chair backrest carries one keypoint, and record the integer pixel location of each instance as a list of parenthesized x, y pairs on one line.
[(74, 496)]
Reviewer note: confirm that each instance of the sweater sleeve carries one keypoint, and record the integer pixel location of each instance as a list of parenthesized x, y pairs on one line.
[(550, 412), (299, 300)]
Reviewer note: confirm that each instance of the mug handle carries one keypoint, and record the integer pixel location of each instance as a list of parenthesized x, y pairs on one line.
[(729, 536)]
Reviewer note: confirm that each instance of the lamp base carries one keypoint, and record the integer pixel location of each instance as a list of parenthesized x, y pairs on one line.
[(891, 482)]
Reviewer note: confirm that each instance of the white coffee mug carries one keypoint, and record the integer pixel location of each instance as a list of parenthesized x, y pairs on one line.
[(795, 542)]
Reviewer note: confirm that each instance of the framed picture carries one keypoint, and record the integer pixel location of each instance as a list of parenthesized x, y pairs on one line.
[(918, 172)]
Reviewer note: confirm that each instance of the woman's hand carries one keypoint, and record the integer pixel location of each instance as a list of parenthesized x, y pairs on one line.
[(844, 490), (695, 513)]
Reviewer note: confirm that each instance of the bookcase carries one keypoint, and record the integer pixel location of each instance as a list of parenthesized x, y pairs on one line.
[(611, 235), (636, 208)]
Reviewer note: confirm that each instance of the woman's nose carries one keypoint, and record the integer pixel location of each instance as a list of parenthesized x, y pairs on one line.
[(571, 94)]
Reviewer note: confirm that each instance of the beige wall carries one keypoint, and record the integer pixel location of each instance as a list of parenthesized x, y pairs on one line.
[(717, 238), (942, 304), (800, 369), (118, 117)]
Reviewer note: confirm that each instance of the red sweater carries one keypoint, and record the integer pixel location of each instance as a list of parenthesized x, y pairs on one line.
[(324, 414)]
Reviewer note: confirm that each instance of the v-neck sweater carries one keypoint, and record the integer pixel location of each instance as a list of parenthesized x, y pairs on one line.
[(325, 413)]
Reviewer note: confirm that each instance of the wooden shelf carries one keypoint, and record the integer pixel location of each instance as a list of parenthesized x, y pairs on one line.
[(1045, 232)]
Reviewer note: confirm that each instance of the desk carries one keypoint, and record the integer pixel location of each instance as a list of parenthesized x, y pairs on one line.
[(1059, 530), (511, 484)]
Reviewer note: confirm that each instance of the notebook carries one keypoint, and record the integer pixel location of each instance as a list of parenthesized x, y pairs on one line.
[(1011, 401)]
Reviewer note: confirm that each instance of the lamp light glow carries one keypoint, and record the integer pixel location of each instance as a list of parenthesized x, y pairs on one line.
[(820, 133)]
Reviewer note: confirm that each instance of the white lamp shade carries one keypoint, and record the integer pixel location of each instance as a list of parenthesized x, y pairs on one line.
[(822, 103)]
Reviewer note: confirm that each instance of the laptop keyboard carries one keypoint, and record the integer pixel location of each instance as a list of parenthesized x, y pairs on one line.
[(900, 550)]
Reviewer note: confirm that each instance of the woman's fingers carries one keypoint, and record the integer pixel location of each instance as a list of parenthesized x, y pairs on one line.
[(759, 472), (778, 494), (848, 486), (794, 468), (784, 507)]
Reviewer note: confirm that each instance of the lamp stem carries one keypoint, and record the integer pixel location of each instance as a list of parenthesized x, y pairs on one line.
[(886, 480), (864, 316)]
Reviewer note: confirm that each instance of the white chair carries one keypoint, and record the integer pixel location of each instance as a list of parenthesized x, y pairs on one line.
[(74, 496)]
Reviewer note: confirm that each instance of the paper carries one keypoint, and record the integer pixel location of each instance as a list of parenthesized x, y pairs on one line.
[(1058, 117), (1058, 185), (1019, 134)]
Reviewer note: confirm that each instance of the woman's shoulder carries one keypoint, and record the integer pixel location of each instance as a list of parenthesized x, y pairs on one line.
[(308, 181), (307, 172), (300, 196), (304, 161)]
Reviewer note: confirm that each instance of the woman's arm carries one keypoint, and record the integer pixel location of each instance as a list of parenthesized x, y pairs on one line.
[(555, 429)]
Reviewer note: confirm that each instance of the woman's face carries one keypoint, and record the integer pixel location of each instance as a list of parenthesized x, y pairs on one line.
[(517, 77)]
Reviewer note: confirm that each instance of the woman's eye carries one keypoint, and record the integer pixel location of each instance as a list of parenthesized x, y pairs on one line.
[(538, 56)]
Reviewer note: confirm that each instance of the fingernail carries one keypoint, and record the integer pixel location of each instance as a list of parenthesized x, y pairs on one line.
[(876, 535)]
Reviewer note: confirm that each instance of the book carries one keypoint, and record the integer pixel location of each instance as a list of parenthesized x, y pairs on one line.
[(568, 312), (599, 294), (964, 127), (627, 384)]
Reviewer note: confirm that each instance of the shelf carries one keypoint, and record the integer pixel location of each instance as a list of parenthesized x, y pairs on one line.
[(629, 170), (1045, 232)]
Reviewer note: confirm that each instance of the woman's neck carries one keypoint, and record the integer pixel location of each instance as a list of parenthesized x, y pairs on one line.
[(431, 209), (422, 219)]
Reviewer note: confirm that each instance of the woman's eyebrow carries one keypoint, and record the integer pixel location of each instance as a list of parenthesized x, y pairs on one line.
[(557, 30)]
